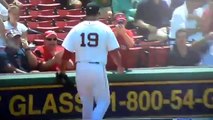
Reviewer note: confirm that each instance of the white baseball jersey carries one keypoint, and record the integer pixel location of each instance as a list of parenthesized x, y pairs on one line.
[(91, 41)]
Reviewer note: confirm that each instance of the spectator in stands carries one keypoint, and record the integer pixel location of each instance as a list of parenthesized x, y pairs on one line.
[(186, 18), (188, 55), (125, 8), (105, 8), (207, 19), (17, 56), (124, 36), (50, 53), (70, 4), (151, 17), (14, 2), (128, 7), (75, 4), (12, 22)]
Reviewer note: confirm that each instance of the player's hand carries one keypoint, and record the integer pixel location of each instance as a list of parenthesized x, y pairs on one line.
[(63, 79), (120, 70)]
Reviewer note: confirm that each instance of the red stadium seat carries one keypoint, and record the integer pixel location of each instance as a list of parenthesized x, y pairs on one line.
[(75, 17), (72, 22), (48, 15), (31, 37), (62, 12), (60, 24), (35, 37), (32, 25), (25, 18), (62, 35), (45, 24), (144, 60), (158, 56), (76, 12), (131, 57)]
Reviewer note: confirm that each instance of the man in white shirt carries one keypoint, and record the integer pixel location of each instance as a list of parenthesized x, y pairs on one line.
[(182, 18)]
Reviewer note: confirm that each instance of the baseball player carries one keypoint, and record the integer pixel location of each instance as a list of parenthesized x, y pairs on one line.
[(91, 40)]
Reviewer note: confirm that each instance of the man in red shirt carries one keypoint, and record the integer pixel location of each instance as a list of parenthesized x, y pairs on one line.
[(124, 36), (50, 53)]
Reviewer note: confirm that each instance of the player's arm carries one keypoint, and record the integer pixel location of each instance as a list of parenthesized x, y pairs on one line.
[(116, 56), (65, 60)]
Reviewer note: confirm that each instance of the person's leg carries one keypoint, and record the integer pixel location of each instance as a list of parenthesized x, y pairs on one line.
[(102, 95), (84, 87)]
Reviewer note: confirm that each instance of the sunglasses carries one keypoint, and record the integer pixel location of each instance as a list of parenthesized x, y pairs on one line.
[(50, 39)]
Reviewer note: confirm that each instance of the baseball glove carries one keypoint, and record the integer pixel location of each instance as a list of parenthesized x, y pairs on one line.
[(63, 79)]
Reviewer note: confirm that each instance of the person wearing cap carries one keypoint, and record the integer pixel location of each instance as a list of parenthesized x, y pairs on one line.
[(124, 36), (17, 56), (91, 41), (50, 54)]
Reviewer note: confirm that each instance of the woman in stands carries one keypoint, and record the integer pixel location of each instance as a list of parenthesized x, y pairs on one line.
[(12, 22)]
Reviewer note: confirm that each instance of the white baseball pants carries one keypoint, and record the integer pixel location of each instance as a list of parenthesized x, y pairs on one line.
[(92, 85)]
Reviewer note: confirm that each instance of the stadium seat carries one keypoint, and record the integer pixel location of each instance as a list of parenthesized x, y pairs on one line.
[(47, 15), (45, 24), (130, 57), (75, 17), (60, 24), (76, 12), (35, 37), (62, 35), (62, 12), (144, 61), (158, 56), (32, 25), (72, 22), (25, 18)]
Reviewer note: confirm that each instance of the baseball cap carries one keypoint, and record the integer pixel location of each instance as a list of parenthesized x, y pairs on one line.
[(50, 34), (92, 8), (13, 33), (120, 17)]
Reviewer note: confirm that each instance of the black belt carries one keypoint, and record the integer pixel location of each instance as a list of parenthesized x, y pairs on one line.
[(88, 62)]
